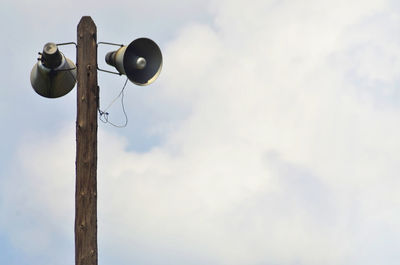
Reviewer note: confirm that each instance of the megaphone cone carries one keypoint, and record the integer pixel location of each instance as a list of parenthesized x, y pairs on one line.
[(53, 75), (140, 61)]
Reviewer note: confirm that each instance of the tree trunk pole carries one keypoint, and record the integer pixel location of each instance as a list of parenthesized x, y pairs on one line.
[(86, 145)]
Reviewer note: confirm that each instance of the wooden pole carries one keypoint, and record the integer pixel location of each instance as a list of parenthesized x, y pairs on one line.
[(86, 145)]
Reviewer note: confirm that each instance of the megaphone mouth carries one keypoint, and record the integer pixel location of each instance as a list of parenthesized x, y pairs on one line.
[(140, 61)]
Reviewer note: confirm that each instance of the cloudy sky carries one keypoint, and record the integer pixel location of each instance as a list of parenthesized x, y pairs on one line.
[(271, 136)]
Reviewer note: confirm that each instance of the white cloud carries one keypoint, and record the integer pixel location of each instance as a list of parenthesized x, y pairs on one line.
[(282, 155)]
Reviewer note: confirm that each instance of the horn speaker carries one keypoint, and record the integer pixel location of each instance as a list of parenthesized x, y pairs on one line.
[(53, 75), (140, 61)]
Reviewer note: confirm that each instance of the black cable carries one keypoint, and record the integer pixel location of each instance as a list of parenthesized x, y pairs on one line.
[(104, 114)]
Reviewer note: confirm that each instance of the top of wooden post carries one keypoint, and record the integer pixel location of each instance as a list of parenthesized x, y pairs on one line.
[(87, 23), (86, 19)]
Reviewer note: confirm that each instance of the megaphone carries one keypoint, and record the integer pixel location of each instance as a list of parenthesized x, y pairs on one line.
[(53, 75), (140, 61)]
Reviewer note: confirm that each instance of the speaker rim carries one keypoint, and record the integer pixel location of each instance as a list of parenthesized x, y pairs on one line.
[(131, 50)]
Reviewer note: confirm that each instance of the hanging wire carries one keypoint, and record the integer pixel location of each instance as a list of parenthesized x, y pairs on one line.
[(104, 114)]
